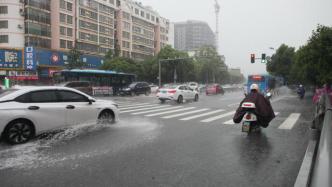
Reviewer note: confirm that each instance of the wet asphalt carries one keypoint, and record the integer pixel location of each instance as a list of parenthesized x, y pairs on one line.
[(152, 151)]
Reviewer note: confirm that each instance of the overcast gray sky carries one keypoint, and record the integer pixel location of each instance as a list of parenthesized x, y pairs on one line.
[(251, 26)]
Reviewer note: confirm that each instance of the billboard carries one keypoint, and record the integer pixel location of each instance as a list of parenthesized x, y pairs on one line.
[(11, 59)]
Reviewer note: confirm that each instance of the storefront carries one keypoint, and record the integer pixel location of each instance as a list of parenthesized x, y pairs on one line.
[(34, 66)]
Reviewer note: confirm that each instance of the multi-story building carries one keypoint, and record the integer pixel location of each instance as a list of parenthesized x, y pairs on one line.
[(36, 35), (11, 24), (141, 32), (192, 35), (38, 23)]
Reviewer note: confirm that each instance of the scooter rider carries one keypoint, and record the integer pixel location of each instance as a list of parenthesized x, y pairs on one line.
[(264, 111), (301, 91)]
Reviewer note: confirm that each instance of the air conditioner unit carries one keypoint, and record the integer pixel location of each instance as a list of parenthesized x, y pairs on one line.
[(19, 26)]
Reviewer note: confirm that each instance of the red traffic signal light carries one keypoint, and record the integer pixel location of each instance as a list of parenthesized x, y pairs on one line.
[(252, 58)]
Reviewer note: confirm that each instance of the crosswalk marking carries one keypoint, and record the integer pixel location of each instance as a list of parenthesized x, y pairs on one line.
[(290, 121), (186, 113), (141, 109), (231, 122), (202, 115), (218, 117), (168, 112), (142, 106), (133, 104), (156, 110)]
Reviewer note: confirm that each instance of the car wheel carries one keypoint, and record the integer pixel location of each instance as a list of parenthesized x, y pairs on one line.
[(106, 117), (132, 94), (162, 100), (18, 132), (180, 99), (196, 98)]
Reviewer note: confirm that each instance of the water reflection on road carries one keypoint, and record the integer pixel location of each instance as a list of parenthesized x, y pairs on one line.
[(78, 142)]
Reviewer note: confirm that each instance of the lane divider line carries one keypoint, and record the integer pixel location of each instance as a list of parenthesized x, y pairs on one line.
[(289, 123)]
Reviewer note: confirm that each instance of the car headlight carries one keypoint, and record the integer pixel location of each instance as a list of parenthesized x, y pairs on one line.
[(116, 105)]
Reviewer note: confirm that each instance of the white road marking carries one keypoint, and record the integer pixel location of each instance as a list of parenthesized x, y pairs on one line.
[(218, 117), (141, 109), (231, 122), (186, 113), (290, 121), (201, 115), (141, 106), (157, 110), (168, 112), (234, 104), (132, 104)]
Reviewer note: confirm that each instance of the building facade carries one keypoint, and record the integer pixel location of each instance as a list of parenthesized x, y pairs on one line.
[(45, 30), (11, 24), (192, 35)]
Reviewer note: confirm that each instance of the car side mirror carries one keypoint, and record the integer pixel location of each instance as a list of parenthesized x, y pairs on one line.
[(91, 101)]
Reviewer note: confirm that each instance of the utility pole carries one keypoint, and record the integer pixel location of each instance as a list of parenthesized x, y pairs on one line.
[(217, 10)]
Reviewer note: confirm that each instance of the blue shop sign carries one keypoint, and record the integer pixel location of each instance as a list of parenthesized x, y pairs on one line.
[(11, 59), (30, 59)]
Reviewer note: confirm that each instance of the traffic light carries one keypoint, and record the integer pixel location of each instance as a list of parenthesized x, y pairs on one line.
[(263, 58), (252, 57)]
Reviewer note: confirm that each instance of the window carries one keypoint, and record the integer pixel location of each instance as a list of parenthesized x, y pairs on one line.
[(126, 26), (3, 38), (126, 35), (3, 9), (69, 32), (62, 18), (68, 96), (69, 6), (136, 11), (147, 16), (69, 19), (69, 44), (62, 30), (4, 24), (62, 4), (142, 13), (63, 44), (48, 96)]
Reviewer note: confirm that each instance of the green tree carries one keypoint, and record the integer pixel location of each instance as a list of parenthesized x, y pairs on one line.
[(313, 62), (281, 62), (74, 60), (211, 66)]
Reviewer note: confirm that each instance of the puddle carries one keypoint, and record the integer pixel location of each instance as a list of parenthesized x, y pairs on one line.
[(39, 152)]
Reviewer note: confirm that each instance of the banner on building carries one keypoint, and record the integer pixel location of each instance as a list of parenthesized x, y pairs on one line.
[(11, 59)]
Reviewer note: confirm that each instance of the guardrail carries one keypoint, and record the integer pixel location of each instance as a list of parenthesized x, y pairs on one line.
[(322, 170)]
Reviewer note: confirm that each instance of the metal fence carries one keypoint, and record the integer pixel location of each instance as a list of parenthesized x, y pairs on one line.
[(322, 169)]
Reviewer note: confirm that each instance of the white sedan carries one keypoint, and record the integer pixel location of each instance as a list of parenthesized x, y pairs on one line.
[(177, 93), (28, 111)]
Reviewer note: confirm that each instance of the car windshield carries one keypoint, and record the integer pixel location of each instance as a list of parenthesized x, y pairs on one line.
[(6, 92)]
